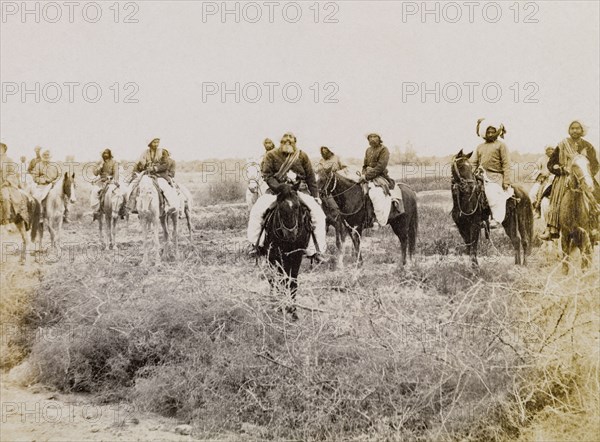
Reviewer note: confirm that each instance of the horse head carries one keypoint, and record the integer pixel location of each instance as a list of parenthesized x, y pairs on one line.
[(581, 176), (462, 169), (288, 214), (68, 187), (253, 185)]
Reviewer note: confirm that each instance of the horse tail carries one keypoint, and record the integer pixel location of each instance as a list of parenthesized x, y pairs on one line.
[(525, 218), (413, 228), (35, 212), (412, 212)]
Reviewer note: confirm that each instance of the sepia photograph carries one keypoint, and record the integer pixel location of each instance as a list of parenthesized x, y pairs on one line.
[(352, 220)]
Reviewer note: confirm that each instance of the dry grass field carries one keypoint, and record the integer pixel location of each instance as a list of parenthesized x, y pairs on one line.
[(432, 351)]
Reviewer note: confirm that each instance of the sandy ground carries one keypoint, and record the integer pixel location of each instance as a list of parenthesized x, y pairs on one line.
[(37, 414)]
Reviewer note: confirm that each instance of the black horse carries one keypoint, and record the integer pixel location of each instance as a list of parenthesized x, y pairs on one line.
[(287, 233), (352, 203), (471, 212)]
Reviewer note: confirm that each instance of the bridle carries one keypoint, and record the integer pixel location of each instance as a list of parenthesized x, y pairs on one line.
[(462, 185), (330, 194), (280, 230), (257, 188)]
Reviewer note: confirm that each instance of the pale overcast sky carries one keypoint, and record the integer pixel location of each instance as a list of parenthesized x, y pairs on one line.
[(374, 52)]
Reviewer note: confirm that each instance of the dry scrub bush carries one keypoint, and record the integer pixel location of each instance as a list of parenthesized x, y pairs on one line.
[(429, 352), (433, 351), (18, 322)]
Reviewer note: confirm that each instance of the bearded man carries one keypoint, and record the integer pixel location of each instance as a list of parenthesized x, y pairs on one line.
[(380, 185), (298, 168), (150, 162)]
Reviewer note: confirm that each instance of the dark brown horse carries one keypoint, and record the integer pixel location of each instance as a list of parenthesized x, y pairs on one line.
[(575, 213), (470, 211), (352, 203), (287, 233)]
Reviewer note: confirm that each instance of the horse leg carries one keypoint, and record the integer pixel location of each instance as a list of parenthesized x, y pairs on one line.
[(292, 272), (113, 233), (101, 230), (156, 244), (400, 229), (175, 218), (565, 244), (145, 242), (163, 222), (23, 232), (475, 230), (189, 222), (355, 234)]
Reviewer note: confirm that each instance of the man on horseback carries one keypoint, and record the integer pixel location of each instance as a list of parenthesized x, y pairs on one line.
[(280, 168), (330, 163), (12, 199), (107, 172), (492, 157), (560, 165), (36, 160), (375, 174), (149, 163), (45, 174), (543, 179)]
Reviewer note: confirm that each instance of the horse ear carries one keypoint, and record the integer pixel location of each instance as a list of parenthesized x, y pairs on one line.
[(459, 154), (66, 175), (469, 155), (73, 176)]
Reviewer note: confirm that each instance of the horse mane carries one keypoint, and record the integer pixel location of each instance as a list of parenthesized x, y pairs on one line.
[(583, 164)]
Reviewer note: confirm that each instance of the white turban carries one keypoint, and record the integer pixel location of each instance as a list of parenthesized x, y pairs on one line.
[(483, 124)]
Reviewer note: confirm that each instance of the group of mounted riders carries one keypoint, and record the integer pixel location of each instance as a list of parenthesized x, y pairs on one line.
[(286, 165), (17, 189), (490, 160)]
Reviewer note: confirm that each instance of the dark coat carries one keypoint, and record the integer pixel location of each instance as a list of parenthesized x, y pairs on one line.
[(166, 168), (376, 162), (586, 149), (302, 167)]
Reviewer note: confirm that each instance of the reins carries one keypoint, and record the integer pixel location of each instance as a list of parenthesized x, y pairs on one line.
[(330, 193), (461, 186)]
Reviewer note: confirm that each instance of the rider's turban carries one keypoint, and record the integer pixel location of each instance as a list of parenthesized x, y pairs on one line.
[(153, 140), (483, 124)]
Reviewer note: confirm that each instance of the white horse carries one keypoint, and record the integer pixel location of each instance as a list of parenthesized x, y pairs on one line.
[(52, 209), (187, 203), (149, 214), (253, 192), (111, 205)]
